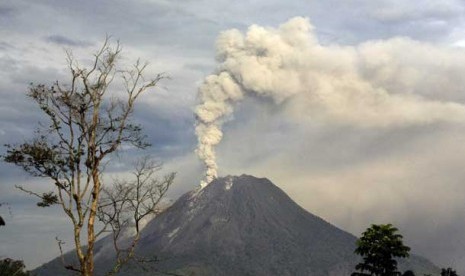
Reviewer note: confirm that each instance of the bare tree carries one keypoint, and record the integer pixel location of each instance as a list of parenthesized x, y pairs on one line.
[(126, 205), (86, 123)]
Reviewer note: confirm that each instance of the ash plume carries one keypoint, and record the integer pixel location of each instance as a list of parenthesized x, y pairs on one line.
[(389, 83)]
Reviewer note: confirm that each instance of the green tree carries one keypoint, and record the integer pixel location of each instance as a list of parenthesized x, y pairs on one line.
[(9, 267), (448, 272), (89, 118), (379, 245)]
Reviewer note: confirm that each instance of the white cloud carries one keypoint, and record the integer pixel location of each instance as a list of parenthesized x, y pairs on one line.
[(309, 159), (375, 84)]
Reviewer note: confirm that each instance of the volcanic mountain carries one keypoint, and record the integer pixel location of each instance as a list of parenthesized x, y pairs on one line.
[(240, 225)]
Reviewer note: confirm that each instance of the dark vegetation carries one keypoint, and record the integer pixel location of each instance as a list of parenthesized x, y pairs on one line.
[(9, 267), (2, 220), (381, 246)]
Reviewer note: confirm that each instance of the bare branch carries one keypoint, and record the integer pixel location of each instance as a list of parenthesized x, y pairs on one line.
[(47, 198), (84, 125), (131, 202), (62, 256)]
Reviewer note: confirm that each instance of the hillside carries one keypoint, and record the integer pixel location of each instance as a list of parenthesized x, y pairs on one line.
[(241, 225)]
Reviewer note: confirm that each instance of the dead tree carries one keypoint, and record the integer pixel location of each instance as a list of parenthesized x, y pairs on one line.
[(127, 206), (87, 122)]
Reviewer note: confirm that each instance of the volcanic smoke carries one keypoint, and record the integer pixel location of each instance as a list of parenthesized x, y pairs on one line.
[(374, 84)]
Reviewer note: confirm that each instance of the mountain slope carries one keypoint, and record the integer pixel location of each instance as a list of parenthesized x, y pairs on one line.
[(242, 226)]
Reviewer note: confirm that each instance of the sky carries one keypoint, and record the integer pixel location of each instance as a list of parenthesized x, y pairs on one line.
[(355, 108)]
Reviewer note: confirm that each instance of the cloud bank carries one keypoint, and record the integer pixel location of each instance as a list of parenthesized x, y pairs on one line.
[(376, 84)]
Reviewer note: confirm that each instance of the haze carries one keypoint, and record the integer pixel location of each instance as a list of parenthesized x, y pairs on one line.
[(356, 108)]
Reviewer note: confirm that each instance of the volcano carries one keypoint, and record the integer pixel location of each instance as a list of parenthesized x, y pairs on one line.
[(240, 225)]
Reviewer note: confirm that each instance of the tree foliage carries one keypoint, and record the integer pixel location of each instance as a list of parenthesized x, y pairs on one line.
[(2, 220), (379, 245), (10, 267), (448, 272), (89, 118)]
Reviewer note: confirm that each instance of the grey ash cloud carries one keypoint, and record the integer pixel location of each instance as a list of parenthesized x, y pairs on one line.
[(66, 41), (6, 11), (5, 46), (362, 175)]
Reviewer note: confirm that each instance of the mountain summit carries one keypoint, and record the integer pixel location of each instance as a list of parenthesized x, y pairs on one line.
[(243, 225)]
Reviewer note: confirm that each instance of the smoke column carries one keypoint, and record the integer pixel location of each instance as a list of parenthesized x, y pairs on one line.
[(374, 84)]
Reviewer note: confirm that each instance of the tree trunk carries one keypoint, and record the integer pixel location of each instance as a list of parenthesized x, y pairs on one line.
[(91, 222)]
